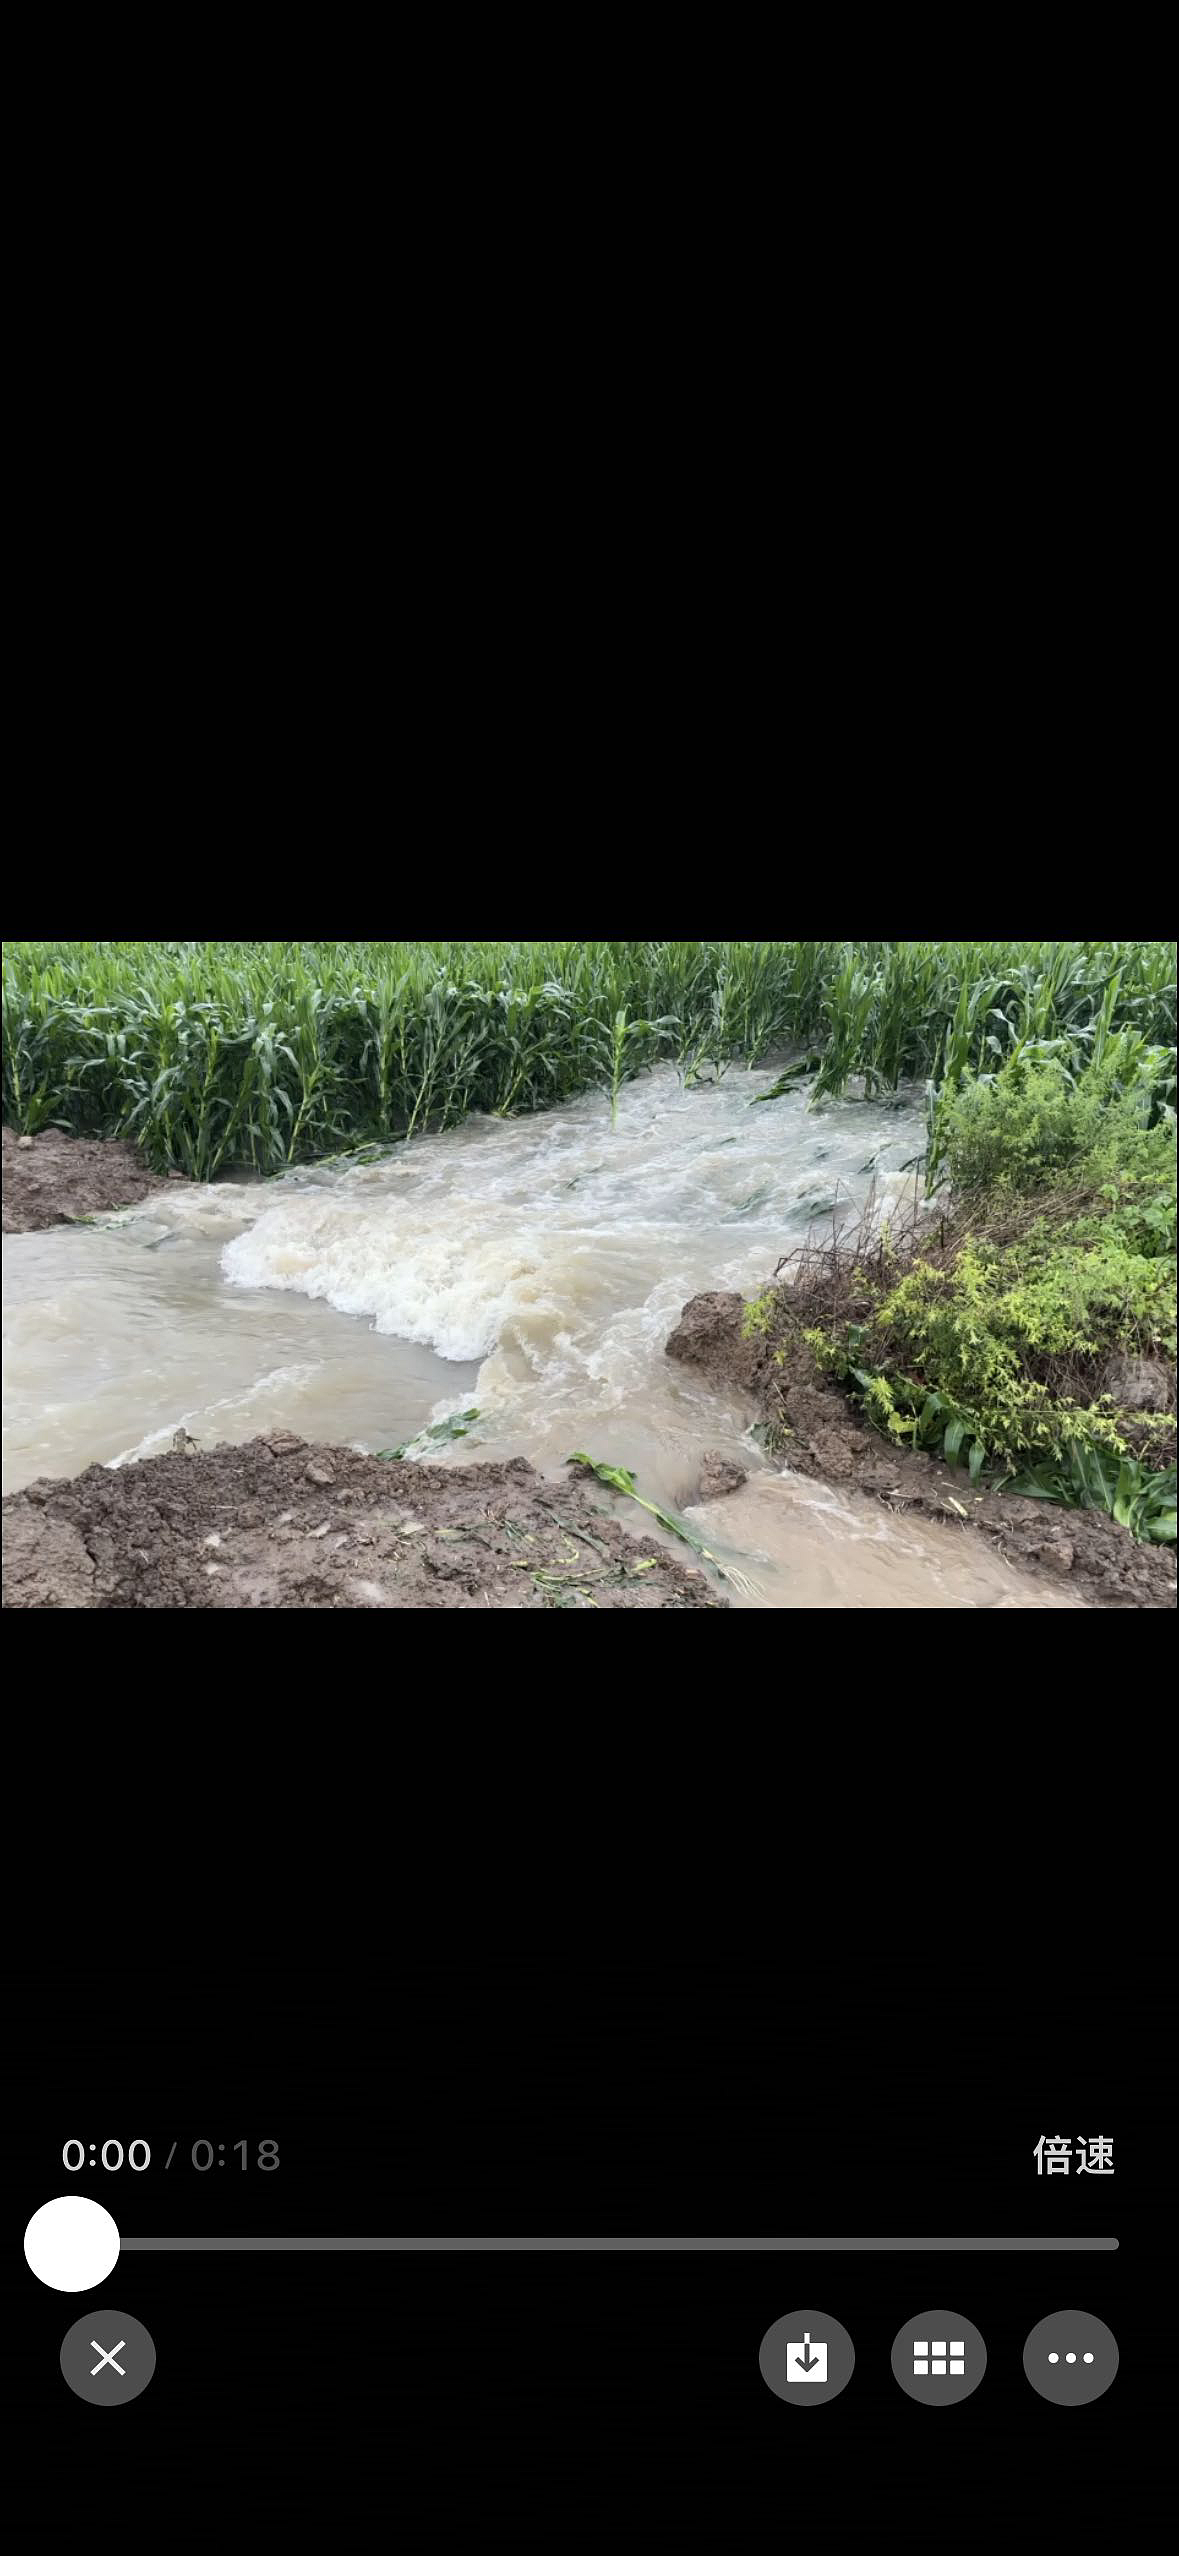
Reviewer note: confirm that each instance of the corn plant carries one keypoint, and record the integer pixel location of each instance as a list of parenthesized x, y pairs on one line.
[(212, 1054), (622, 1046)]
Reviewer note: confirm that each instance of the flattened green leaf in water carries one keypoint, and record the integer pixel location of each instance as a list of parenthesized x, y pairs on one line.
[(616, 1478), (456, 1425)]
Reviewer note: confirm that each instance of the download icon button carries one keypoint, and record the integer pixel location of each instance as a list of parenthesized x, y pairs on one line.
[(806, 2358)]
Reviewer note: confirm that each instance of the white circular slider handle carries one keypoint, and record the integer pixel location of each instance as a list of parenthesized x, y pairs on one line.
[(71, 2243)]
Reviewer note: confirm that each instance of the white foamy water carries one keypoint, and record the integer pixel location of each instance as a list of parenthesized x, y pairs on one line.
[(558, 1251), (534, 1267)]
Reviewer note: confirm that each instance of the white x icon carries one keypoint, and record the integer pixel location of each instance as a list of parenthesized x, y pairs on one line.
[(107, 2356)]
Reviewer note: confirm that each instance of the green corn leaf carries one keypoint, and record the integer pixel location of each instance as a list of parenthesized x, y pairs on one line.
[(617, 1478), (456, 1425)]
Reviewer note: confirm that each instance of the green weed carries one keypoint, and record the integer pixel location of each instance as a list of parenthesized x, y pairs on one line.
[(1139, 1499)]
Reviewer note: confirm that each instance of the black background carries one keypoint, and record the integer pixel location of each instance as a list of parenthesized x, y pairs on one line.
[(620, 2390)]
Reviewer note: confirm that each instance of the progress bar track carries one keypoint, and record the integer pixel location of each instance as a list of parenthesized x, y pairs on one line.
[(616, 2245)]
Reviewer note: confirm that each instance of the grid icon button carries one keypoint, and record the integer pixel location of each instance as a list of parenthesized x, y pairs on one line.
[(939, 2369)]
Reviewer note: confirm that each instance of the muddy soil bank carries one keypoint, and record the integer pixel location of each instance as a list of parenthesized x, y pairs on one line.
[(828, 1439), (53, 1178), (279, 1522)]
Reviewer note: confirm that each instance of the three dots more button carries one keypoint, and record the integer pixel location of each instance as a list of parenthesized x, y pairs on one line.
[(1070, 2357)]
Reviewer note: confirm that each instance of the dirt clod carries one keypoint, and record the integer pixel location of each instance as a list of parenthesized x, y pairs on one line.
[(719, 1474), (1139, 1384), (52, 1179), (83, 1542), (708, 1334)]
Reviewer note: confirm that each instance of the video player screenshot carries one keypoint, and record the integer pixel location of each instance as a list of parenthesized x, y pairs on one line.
[(649, 2250)]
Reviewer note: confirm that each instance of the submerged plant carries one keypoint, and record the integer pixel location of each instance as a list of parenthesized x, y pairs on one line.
[(456, 1425), (617, 1478)]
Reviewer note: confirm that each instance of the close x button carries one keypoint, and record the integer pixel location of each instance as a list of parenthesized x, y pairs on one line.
[(108, 2358)]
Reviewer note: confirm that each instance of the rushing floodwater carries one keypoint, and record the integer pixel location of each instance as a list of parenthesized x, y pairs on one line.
[(534, 1267)]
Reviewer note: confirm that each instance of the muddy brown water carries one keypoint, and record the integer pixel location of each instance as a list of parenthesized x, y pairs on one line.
[(532, 1267)]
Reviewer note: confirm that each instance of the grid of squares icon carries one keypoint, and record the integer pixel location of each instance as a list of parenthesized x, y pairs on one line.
[(939, 2360)]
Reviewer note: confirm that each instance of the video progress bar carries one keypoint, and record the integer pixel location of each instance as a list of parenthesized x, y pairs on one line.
[(616, 2245)]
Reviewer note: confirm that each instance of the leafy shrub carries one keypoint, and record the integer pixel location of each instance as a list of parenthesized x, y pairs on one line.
[(996, 1351), (1029, 1127)]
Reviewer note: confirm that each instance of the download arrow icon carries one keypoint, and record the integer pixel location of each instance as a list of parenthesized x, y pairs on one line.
[(806, 2359)]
